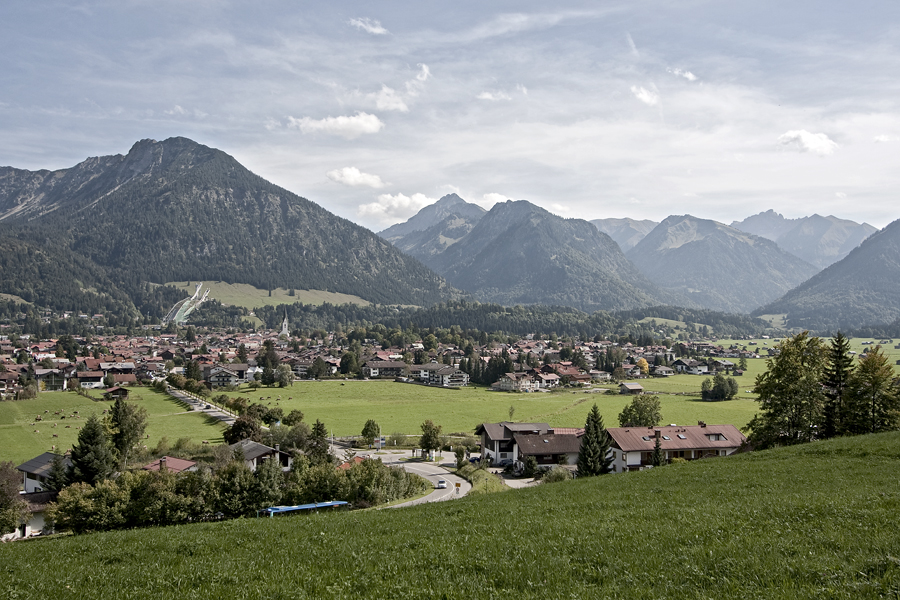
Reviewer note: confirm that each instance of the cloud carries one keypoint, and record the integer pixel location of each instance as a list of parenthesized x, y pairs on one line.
[(686, 74), (492, 198), (881, 139), (369, 25), (388, 99), (521, 88), (648, 97), (631, 45), (355, 178), (493, 96), (415, 86), (177, 110), (805, 141), (840, 195), (348, 127), (391, 208)]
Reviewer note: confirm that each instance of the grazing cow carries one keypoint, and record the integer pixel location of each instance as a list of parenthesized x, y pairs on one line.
[(54, 435)]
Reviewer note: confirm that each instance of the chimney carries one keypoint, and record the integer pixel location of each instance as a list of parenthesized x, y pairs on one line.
[(162, 464), (658, 433), (701, 423)]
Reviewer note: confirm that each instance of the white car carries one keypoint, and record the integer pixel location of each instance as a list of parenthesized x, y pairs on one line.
[(441, 484)]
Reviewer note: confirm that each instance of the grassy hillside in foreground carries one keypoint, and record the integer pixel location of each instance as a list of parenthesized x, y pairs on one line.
[(817, 521)]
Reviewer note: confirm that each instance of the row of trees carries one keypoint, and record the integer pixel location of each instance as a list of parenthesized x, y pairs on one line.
[(812, 390)]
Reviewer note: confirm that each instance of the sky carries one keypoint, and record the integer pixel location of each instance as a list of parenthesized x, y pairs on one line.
[(590, 109)]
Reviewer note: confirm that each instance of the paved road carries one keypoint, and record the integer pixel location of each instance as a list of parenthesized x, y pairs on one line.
[(198, 405)]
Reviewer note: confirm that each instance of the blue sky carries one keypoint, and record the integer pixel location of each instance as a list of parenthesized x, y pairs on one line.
[(373, 110)]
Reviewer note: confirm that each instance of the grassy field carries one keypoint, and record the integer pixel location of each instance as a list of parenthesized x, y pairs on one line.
[(817, 521), (20, 440), (400, 407), (856, 345), (242, 294)]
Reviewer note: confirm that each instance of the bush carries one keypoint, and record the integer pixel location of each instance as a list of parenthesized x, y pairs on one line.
[(556, 474)]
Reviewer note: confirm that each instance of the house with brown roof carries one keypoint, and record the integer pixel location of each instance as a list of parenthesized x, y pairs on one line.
[(171, 464), (632, 447)]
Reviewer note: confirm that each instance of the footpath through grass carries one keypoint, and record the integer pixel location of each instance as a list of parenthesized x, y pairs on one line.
[(818, 521), (20, 440)]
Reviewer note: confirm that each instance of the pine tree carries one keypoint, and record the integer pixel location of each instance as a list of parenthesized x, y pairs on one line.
[(657, 460), (872, 402), (593, 456), (128, 423), (92, 456), (838, 371)]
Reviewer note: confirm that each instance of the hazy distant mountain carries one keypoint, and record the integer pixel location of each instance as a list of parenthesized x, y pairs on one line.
[(818, 240), (717, 266), (431, 215), (861, 289), (176, 210), (519, 253), (626, 232), (425, 244)]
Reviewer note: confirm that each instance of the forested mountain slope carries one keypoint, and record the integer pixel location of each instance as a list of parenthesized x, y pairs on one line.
[(717, 266), (176, 210), (862, 289)]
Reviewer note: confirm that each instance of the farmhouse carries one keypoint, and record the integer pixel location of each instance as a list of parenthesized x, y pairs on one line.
[(506, 443), (632, 447), (255, 453), (36, 471), (171, 464)]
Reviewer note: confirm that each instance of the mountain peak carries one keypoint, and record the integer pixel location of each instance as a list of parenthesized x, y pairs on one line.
[(433, 214)]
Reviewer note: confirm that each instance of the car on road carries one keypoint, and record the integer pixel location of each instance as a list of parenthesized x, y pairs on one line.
[(441, 484)]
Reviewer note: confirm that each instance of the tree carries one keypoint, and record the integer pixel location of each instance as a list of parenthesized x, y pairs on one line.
[(13, 510), (837, 376), (873, 400), (57, 477), (643, 411), (284, 376), (657, 459), (643, 365), (295, 417), (594, 456), (317, 449), (92, 455), (192, 370), (370, 431), (460, 453), (719, 388), (349, 363), (241, 353), (319, 368), (742, 363), (128, 423), (244, 427), (431, 436), (790, 393)]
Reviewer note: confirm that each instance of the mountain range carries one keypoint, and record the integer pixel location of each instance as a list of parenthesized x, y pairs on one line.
[(176, 210)]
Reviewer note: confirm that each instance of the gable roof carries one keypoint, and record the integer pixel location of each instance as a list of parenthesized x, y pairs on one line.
[(681, 437), (547, 443), (40, 465), (176, 465), (252, 450)]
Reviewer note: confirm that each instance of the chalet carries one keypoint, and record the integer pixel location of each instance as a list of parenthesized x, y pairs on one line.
[(50, 380), (515, 382), (506, 443), (115, 392), (600, 375), (219, 376), (384, 368), (90, 379), (632, 447), (38, 502), (631, 388), (255, 453), (36, 471), (662, 371), (448, 376)]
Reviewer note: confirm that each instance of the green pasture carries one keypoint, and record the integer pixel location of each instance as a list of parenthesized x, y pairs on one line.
[(809, 522), (401, 407), (242, 294), (20, 440), (856, 345)]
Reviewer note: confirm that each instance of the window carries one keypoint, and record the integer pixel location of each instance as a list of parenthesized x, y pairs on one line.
[(681, 436), (645, 438), (667, 438)]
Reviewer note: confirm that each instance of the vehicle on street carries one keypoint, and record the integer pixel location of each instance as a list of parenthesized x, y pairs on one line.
[(441, 484)]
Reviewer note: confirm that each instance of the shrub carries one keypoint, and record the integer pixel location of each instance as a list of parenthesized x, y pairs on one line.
[(556, 474)]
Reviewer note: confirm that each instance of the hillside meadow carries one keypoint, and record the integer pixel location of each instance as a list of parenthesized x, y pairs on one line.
[(20, 440), (345, 406), (815, 521)]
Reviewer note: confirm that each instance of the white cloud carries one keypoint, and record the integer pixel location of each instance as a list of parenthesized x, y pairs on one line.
[(414, 86), (521, 88), (346, 126), (880, 139), (840, 195), (177, 110), (493, 96), (648, 97), (631, 45), (369, 25), (492, 198), (392, 208), (355, 178), (686, 74), (805, 141), (388, 99)]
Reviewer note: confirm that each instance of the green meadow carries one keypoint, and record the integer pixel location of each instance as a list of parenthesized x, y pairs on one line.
[(20, 440), (242, 294), (808, 522), (345, 406)]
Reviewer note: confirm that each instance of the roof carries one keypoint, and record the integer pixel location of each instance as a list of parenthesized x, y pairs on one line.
[(176, 465), (681, 437), (631, 386), (505, 430), (40, 465), (547, 443), (252, 450)]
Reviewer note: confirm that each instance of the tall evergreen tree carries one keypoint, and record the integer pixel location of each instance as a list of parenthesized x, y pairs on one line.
[(92, 456), (594, 455), (128, 423), (658, 458), (838, 371)]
